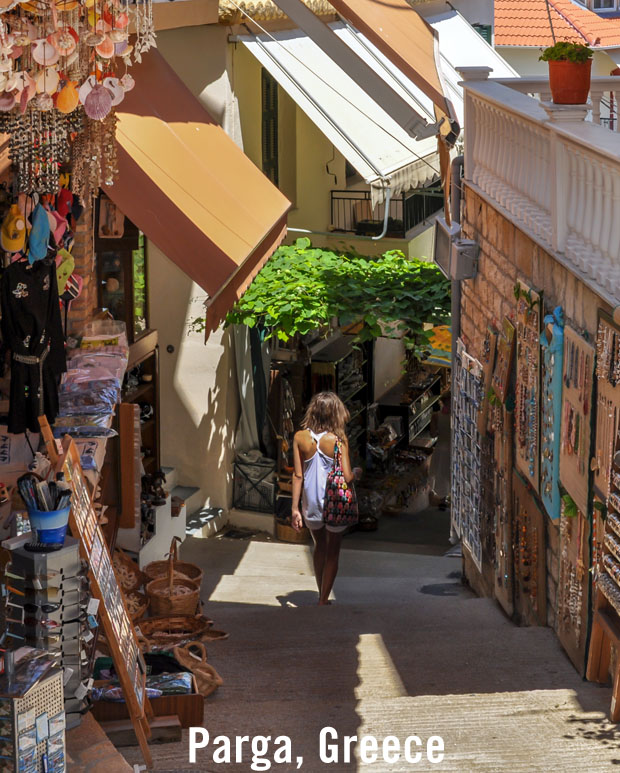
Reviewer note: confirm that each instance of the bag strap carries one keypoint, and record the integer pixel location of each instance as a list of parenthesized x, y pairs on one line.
[(198, 645)]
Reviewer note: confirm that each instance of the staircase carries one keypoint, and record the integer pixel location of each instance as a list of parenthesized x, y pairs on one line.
[(201, 523)]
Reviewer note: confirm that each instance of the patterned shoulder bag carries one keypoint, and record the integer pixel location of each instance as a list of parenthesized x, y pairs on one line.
[(340, 503)]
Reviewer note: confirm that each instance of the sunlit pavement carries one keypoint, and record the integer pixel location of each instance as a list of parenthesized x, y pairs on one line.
[(404, 650)]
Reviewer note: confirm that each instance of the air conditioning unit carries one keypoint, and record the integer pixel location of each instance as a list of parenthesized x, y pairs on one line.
[(456, 258)]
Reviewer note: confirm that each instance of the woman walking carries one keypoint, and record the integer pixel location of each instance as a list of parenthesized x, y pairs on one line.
[(314, 448)]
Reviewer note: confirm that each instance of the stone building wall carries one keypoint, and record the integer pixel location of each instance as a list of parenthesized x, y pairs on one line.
[(508, 254)]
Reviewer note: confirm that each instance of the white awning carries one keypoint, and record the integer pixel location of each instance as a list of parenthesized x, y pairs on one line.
[(371, 141), (460, 45)]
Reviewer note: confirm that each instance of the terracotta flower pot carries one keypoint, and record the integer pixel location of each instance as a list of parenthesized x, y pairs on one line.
[(569, 82)]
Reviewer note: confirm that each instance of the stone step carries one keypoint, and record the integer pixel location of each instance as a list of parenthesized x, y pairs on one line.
[(191, 495), (172, 477), (206, 522)]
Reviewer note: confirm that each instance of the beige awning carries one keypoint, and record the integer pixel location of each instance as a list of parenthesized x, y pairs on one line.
[(407, 40), (191, 189)]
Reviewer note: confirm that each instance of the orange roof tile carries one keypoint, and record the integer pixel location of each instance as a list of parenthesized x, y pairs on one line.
[(526, 23)]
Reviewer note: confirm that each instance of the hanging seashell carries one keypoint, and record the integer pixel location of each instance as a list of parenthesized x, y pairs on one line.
[(102, 26), (127, 82), (44, 101), (68, 98), (16, 52), (105, 49), (94, 38), (7, 101), (3, 81), (65, 42), (86, 87), (98, 103), (47, 80), (122, 49), (6, 65), (114, 87), (44, 53), (117, 36), (66, 5), (73, 58), (121, 21)]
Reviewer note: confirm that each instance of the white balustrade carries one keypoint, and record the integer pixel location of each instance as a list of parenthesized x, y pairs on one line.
[(553, 169)]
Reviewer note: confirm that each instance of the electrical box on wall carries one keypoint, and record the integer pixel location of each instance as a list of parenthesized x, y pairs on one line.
[(464, 259), (444, 237), (456, 258)]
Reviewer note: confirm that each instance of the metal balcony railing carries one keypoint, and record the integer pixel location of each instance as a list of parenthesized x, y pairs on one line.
[(352, 212)]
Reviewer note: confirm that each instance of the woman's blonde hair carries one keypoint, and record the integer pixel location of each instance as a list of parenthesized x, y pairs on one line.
[(327, 413)]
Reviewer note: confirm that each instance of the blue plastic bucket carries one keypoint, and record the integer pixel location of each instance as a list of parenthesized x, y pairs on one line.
[(50, 526)]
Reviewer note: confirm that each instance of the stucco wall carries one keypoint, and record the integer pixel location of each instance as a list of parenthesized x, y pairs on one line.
[(525, 61), (200, 56), (199, 403)]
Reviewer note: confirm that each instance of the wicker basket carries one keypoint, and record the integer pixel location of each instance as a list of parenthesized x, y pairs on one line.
[(170, 595), (287, 533), (170, 630), (137, 603), (182, 569), (130, 576)]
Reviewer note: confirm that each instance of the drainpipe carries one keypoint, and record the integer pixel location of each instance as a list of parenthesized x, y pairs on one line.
[(455, 207)]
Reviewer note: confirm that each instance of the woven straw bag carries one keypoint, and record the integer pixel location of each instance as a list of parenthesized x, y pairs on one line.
[(207, 678)]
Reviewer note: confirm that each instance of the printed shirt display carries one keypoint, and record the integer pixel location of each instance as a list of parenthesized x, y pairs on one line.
[(31, 327)]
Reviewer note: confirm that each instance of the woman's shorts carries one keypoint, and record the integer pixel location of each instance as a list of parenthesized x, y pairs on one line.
[(316, 525)]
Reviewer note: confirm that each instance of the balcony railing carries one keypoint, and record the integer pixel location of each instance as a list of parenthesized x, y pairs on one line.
[(604, 95), (555, 174), (352, 212)]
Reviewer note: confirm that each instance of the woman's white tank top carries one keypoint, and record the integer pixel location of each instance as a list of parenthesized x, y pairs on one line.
[(315, 480)]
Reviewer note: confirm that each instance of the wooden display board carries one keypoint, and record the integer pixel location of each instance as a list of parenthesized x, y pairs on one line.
[(529, 532), (574, 587), (606, 618), (488, 363), (118, 628), (503, 361), (607, 403), (527, 407), (552, 343), (575, 438), (504, 569)]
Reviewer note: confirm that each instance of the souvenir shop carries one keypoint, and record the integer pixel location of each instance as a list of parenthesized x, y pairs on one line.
[(82, 622), (536, 497), (392, 430)]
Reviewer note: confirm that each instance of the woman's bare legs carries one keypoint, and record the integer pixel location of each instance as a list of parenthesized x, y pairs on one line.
[(319, 554), (330, 569)]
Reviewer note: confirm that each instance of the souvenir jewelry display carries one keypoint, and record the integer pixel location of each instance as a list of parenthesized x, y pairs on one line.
[(608, 404), (62, 63), (466, 444), (527, 388), (578, 374), (597, 545), (526, 553), (502, 547), (571, 577), (552, 344), (609, 567)]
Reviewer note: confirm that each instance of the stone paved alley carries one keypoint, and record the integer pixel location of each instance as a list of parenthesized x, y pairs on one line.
[(405, 649)]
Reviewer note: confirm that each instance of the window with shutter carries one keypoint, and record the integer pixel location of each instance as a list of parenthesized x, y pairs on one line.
[(486, 31), (270, 126)]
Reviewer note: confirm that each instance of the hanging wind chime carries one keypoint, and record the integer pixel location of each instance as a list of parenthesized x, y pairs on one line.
[(63, 72)]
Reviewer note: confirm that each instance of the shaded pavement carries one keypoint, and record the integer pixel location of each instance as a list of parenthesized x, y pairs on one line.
[(405, 649)]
